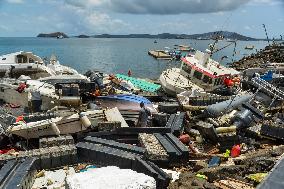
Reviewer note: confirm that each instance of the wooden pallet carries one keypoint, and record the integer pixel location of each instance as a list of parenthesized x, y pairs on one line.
[(231, 183)]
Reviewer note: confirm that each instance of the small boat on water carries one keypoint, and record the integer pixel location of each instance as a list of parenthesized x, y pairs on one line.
[(249, 47), (26, 63), (60, 37), (197, 73), (185, 48), (160, 54)]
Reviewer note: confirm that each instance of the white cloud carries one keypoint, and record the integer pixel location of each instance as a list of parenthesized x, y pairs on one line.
[(205, 20), (266, 2), (84, 3), (15, 1), (103, 23), (248, 28), (219, 13), (159, 6), (5, 28)]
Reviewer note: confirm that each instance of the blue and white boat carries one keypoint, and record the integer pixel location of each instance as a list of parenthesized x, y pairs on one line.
[(127, 102)]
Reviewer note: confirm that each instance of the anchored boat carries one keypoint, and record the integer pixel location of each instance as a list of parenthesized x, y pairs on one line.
[(249, 47), (197, 73)]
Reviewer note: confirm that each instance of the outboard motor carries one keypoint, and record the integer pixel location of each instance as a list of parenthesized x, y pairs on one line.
[(245, 118), (96, 77), (242, 120)]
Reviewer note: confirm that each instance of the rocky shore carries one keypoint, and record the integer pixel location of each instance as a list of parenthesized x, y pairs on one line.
[(270, 54)]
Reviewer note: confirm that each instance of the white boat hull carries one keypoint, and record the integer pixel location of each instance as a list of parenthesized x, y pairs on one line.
[(25, 63), (32, 71), (174, 83), (66, 125)]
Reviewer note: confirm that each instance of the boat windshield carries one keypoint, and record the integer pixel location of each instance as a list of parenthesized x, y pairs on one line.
[(218, 81), (22, 59), (207, 79), (197, 74), (186, 68), (31, 60)]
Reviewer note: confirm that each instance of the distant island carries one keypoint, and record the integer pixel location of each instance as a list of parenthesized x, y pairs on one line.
[(205, 36), (83, 36), (226, 35), (54, 35)]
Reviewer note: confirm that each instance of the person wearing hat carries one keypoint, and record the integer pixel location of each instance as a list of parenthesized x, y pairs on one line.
[(143, 116)]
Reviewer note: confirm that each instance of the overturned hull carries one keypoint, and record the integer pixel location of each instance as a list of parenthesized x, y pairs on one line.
[(66, 125), (54, 126)]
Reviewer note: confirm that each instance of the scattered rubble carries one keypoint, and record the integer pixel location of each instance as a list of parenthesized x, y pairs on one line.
[(270, 54), (84, 127), (154, 150)]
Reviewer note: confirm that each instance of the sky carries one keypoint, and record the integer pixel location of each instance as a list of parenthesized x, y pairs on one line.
[(27, 18)]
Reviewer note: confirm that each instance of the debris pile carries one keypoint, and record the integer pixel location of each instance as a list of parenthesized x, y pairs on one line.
[(50, 130), (270, 54)]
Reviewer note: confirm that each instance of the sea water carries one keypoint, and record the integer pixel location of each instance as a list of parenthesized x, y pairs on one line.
[(111, 55)]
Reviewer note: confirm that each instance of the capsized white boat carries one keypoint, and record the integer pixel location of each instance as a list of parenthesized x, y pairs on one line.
[(76, 78), (63, 125), (9, 94), (27, 63), (197, 73)]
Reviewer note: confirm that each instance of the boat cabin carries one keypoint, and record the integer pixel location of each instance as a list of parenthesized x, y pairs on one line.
[(20, 58), (205, 72)]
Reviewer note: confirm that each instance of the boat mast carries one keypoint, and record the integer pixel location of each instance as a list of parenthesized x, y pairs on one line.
[(266, 34)]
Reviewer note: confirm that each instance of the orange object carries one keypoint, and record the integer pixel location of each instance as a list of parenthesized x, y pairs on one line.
[(19, 118), (8, 150), (97, 92), (21, 87), (14, 105), (236, 80), (236, 151), (111, 77), (228, 82), (185, 139)]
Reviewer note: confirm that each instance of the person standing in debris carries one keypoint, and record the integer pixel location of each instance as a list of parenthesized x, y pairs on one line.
[(144, 114), (36, 101)]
